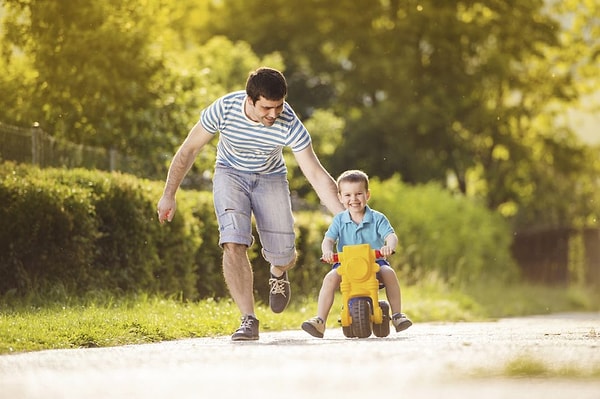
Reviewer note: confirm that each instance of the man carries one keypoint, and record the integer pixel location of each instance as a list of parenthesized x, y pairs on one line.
[(251, 179)]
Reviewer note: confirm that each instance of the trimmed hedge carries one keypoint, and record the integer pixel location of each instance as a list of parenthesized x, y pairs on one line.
[(76, 231), (82, 230)]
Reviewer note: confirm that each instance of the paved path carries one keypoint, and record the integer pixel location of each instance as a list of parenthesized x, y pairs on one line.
[(429, 360)]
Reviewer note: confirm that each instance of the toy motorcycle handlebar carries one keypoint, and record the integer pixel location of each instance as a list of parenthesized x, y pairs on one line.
[(378, 255)]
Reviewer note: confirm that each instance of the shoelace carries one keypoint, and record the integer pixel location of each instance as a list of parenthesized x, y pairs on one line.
[(246, 323), (278, 286)]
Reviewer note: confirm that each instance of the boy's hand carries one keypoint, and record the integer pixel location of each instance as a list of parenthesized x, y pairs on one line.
[(328, 256), (386, 250)]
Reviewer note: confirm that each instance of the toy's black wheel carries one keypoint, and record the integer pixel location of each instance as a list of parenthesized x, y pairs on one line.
[(360, 311), (347, 332), (383, 329)]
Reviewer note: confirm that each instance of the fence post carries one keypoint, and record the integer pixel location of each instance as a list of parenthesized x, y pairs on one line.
[(112, 159), (36, 142)]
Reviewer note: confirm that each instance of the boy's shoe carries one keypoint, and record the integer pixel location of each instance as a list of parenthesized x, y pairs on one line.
[(400, 321), (248, 330), (279, 296), (314, 326)]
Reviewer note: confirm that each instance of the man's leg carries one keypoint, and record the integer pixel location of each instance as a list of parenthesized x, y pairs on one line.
[(239, 276), (233, 210), (275, 225), (280, 292), (277, 271)]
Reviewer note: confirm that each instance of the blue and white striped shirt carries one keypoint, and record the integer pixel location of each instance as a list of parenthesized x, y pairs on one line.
[(250, 146)]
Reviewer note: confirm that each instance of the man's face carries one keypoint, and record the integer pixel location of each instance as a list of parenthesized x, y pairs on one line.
[(263, 110)]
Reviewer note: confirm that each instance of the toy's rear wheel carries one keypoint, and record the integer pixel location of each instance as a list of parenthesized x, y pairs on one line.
[(347, 332), (383, 329), (360, 311)]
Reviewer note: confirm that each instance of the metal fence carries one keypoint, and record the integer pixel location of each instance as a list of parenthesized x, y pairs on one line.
[(558, 256), (33, 145)]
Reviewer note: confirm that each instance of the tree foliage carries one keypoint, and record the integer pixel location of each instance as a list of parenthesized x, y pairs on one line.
[(467, 93)]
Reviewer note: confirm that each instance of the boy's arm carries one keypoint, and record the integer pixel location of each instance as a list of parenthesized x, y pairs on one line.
[(391, 242), (327, 249)]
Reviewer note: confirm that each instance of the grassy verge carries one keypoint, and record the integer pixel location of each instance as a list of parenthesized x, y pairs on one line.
[(107, 321)]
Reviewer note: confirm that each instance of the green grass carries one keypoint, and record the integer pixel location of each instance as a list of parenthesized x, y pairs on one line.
[(526, 366), (36, 323), (533, 368)]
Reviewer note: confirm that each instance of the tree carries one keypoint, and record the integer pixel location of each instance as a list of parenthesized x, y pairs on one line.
[(462, 91), (94, 67), (115, 74)]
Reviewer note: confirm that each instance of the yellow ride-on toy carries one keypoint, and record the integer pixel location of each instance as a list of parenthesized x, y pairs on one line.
[(362, 311)]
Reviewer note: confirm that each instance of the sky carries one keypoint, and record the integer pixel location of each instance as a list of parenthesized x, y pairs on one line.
[(586, 123)]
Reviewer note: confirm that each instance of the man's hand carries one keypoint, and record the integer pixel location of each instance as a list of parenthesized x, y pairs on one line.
[(166, 209)]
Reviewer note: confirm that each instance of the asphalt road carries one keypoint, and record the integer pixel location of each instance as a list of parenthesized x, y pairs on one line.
[(429, 360)]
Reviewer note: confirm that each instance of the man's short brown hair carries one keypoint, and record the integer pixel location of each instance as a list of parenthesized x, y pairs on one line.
[(266, 82)]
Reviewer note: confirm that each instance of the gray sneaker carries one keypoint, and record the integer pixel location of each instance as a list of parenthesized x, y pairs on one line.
[(314, 326), (279, 297), (400, 321), (248, 330)]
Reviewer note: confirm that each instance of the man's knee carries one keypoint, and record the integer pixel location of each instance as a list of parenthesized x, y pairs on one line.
[(288, 266), (283, 261)]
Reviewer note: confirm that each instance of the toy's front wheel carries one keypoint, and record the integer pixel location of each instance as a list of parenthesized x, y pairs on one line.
[(360, 311)]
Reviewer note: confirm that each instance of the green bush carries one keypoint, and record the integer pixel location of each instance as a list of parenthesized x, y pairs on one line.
[(48, 233), (87, 230), (459, 239), (76, 231)]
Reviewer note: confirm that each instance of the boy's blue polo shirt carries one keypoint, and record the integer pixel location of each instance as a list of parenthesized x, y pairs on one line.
[(373, 229)]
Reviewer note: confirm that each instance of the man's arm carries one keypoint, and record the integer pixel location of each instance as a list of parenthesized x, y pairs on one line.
[(319, 179), (180, 165)]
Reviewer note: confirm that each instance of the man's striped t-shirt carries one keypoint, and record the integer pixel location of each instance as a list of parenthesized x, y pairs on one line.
[(250, 146)]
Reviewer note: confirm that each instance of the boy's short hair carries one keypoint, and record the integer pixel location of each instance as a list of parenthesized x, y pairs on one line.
[(353, 176), (266, 82)]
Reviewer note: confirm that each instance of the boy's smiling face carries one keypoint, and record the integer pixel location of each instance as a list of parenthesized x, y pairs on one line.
[(354, 196)]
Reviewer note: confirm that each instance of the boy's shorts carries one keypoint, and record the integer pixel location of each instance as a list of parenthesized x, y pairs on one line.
[(239, 196)]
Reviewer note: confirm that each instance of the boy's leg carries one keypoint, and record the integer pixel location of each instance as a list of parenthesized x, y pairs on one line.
[(316, 325), (392, 288), (331, 283)]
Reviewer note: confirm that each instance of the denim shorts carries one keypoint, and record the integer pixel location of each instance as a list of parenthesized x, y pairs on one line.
[(240, 196)]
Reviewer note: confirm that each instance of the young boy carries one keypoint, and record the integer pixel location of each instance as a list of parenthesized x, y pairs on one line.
[(358, 224)]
